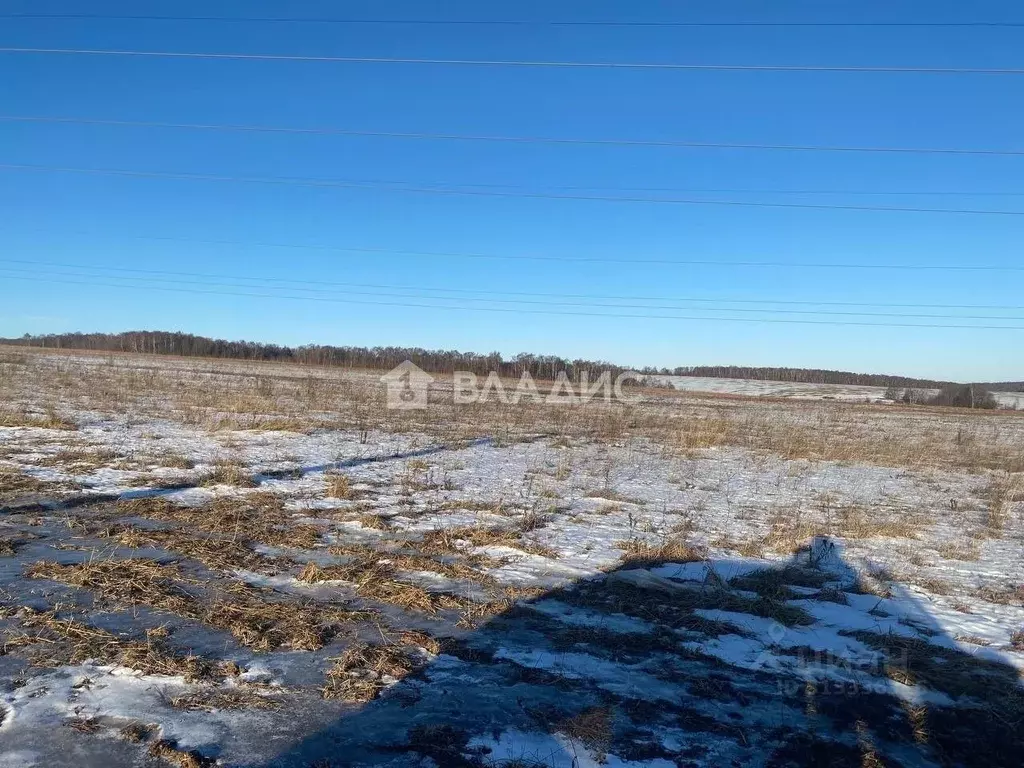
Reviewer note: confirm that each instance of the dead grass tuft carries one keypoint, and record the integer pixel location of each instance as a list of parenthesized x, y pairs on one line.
[(338, 485), (642, 553), (78, 458), (126, 582), (229, 472), (1003, 493), (137, 732), (228, 698), (50, 419), (14, 481), (375, 522), (592, 727), (789, 531), (855, 521), (65, 641), (175, 461), (169, 752), (445, 540), (363, 671), (376, 578), (968, 551), (215, 552), (264, 625), (255, 517), (254, 621)]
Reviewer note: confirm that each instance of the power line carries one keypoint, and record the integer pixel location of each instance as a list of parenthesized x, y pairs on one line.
[(722, 190), (516, 139), (530, 311), (526, 63), (718, 300), (508, 22), (561, 259), (410, 187), (534, 302)]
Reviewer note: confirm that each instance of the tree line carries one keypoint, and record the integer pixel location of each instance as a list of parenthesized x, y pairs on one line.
[(432, 360), (806, 376), (448, 361)]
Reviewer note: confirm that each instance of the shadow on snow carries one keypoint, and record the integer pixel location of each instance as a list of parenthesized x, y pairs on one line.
[(719, 662)]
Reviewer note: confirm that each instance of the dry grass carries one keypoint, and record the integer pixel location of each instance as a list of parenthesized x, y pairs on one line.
[(592, 728), (789, 531), (255, 517), (254, 621), (375, 522), (137, 732), (1002, 595), (175, 461), (855, 521), (49, 419), (375, 579), (214, 552), (169, 752), (79, 458), (337, 398), (14, 481), (124, 582), (247, 697), (445, 540), (7, 547), (66, 641), (264, 625), (1003, 493), (229, 472), (639, 552), (1017, 640), (363, 671), (968, 551), (338, 485)]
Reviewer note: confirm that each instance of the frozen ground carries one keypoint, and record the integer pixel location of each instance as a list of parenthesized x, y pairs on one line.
[(174, 591)]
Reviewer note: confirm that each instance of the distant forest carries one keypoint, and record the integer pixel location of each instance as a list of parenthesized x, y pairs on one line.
[(806, 376), (445, 361)]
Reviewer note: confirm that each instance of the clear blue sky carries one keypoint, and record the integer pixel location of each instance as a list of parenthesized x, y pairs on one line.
[(101, 221)]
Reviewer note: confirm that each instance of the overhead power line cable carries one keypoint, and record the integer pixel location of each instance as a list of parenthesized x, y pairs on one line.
[(612, 316), (654, 143), (604, 297), (411, 187), (560, 259), (506, 22), (146, 281), (523, 63)]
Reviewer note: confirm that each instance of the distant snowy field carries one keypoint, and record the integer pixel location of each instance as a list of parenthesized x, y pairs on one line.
[(798, 391)]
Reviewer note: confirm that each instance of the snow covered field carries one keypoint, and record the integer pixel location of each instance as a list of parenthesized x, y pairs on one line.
[(211, 562), (849, 392)]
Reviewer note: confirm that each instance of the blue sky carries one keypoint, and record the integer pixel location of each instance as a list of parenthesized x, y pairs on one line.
[(108, 222)]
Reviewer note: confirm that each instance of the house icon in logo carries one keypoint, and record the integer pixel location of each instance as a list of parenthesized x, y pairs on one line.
[(407, 386)]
